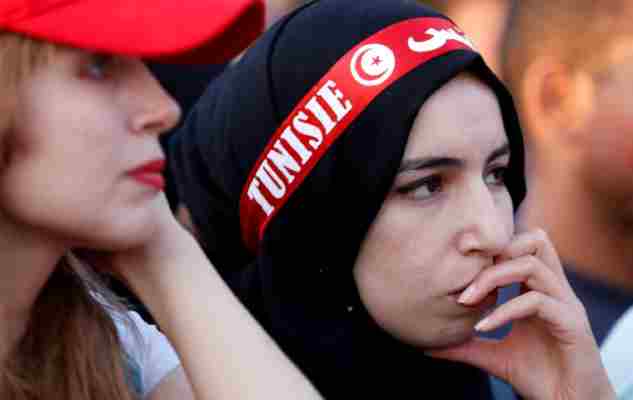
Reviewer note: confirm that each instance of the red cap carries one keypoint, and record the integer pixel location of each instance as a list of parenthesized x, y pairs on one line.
[(179, 31)]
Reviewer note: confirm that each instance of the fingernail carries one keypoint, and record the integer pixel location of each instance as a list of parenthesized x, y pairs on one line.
[(483, 325), (467, 295)]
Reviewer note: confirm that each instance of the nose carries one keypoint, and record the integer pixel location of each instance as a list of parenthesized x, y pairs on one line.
[(486, 223), (157, 111)]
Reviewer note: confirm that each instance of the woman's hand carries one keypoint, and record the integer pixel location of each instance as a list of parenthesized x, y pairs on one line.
[(202, 318), (550, 352)]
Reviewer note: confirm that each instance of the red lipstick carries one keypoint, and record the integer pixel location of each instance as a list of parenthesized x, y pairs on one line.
[(150, 174)]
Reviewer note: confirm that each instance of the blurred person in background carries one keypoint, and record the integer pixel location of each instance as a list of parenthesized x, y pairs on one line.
[(569, 65), (484, 20)]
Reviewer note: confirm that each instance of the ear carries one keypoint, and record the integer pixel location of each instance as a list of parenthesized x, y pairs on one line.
[(556, 101)]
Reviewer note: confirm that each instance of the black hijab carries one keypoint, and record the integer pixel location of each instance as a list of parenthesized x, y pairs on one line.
[(298, 283)]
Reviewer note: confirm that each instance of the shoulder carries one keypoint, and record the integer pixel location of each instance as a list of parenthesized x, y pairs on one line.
[(617, 355), (151, 355)]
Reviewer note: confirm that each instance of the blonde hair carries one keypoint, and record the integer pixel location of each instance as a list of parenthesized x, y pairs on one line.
[(71, 349)]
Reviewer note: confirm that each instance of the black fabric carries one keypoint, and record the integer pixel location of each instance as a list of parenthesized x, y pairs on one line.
[(299, 284)]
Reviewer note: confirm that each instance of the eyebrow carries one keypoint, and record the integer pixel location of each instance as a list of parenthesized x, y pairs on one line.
[(416, 164)]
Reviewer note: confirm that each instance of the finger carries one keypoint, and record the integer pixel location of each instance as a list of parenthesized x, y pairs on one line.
[(485, 354), (528, 270), (536, 243), (563, 320)]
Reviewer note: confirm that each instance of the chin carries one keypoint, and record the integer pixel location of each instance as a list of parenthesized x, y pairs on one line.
[(104, 241), (114, 235), (448, 334), (452, 341)]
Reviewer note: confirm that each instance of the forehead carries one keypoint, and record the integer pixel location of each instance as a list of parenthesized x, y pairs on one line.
[(461, 119)]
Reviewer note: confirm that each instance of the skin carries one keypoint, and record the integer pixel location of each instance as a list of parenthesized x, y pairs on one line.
[(114, 116), (579, 152), (609, 156), (434, 256), (432, 238), (106, 121), (82, 123)]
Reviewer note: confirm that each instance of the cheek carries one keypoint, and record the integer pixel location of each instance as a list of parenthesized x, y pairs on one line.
[(398, 272), (612, 128), (69, 124), (65, 192), (75, 150), (622, 151), (36, 196), (506, 210), (392, 256), (51, 172), (610, 158), (68, 153), (70, 214)]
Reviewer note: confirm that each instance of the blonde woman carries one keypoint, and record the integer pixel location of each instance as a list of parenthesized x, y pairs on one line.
[(81, 189)]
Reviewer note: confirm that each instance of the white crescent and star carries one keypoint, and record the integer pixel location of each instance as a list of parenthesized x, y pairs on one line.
[(372, 64)]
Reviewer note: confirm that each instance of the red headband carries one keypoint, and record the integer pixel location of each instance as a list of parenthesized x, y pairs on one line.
[(331, 105)]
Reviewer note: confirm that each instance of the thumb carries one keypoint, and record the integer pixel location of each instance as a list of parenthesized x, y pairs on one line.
[(482, 353)]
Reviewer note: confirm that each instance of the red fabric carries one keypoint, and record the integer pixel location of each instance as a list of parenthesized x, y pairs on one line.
[(186, 31)]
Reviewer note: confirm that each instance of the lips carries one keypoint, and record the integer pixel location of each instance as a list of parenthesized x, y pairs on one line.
[(456, 292), (150, 174), (486, 303), (460, 290), (489, 301)]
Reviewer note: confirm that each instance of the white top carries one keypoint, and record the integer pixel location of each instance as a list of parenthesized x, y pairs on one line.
[(153, 356), (617, 356)]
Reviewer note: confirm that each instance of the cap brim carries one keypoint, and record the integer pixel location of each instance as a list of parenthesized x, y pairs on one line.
[(190, 31)]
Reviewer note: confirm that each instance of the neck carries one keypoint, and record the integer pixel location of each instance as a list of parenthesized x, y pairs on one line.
[(27, 259), (588, 239)]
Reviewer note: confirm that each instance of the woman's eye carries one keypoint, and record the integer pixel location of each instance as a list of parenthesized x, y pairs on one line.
[(98, 66), (496, 176), (422, 188)]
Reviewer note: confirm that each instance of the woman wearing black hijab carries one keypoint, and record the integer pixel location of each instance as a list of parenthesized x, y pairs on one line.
[(352, 177)]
